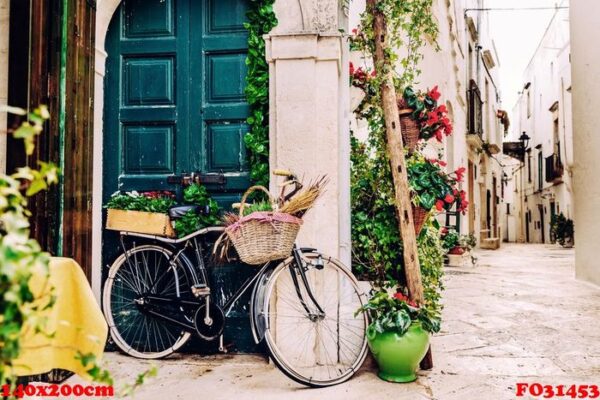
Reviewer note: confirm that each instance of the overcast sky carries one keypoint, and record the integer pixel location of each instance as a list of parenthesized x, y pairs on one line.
[(516, 35)]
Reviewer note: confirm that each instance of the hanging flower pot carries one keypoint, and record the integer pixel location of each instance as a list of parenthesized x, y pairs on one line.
[(419, 217), (410, 129)]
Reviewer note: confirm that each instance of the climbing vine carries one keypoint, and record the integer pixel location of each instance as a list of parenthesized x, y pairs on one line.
[(376, 242), (261, 19)]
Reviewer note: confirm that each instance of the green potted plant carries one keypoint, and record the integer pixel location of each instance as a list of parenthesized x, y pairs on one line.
[(563, 230), (433, 188), (398, 334), (457, 246)]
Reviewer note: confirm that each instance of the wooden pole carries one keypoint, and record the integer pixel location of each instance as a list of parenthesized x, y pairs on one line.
[(395, 152)]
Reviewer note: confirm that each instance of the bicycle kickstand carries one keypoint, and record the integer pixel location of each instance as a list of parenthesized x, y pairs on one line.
[(222, 348)]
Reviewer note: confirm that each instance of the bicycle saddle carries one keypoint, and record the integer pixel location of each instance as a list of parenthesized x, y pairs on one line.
[(179, 211)]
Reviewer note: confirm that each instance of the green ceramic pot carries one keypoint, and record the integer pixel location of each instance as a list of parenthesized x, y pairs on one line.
[(398, 356)]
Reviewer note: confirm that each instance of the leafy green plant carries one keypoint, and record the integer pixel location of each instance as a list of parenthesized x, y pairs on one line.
[(431, 260), (432, 187), (258, 206), (450, 239), (376, 242), (468, 241), (397, 313), (20, 255), (261, 19), (562, 228), (148, 202), (196, 194)]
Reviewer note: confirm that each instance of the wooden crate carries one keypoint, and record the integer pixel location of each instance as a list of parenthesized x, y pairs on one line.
[(140, 222)]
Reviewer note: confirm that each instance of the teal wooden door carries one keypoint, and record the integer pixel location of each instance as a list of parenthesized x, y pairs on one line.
[(175, 104)]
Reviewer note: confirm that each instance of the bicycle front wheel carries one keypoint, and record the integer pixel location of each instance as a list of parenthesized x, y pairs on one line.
[(314, 347), (145, 271)]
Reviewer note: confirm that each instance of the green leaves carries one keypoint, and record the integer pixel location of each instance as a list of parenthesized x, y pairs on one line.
[(396, 314), (191, 221), (261, 19), (140, 202), (21, 256)]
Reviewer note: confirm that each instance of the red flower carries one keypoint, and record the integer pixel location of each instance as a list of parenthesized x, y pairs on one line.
[(412, 304), (354, 31), (432, 118), (438, 135), (459, 173), (373, 73), (438, 162), (449, 198), (400, 296), (439, 205), (434, 94), (351, 68), (442, 109), (444, 231)]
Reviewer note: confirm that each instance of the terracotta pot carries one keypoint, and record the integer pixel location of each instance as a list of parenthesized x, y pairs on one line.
[(419, 217), (410, 129)]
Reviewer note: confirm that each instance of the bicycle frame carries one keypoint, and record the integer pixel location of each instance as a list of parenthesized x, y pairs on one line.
[(297, 269)]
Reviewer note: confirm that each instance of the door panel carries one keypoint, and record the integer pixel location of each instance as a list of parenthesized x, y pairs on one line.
[(175, 104)]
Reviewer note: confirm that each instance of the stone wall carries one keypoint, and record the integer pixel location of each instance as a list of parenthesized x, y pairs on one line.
[(585, 58)]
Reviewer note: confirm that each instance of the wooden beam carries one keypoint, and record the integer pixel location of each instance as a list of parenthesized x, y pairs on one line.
[(395, 152)]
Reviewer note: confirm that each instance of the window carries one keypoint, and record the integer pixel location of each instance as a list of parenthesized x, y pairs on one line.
[(508, 208), (471, 74), (529, 102), (540, 170), (529, 167)]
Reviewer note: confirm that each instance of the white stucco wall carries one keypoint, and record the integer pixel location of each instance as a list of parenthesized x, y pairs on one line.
[(549, 77), (585, 58), (4, 36)]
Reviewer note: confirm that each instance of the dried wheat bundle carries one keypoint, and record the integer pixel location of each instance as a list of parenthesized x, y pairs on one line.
[(303, 201)]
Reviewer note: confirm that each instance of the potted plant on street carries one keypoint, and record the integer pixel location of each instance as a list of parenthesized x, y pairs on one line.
[(563, 230), (457, 246), (398, 334)]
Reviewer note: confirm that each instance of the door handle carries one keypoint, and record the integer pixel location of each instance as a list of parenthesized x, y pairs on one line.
[(196, 177)]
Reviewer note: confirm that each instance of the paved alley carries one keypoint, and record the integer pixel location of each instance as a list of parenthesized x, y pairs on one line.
[(517, 316)]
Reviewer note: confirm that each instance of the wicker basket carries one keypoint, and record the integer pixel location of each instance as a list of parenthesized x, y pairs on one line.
[(419, 217), (263, 236), (410, 129)]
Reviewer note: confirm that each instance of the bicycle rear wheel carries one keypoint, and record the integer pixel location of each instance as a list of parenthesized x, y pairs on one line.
[(313, 348), (147, 272)]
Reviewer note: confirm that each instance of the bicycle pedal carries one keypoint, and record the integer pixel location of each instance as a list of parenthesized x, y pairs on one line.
[(200, 290)]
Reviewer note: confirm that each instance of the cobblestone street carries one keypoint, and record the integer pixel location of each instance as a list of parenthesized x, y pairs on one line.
[(517, 316)]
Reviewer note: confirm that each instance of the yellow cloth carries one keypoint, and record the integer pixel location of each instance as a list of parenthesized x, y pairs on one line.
[(75, 320)]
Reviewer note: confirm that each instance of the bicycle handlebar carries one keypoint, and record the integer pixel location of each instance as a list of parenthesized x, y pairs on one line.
[(282, 172)]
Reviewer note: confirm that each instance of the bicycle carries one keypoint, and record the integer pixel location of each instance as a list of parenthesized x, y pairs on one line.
[(302, 307)]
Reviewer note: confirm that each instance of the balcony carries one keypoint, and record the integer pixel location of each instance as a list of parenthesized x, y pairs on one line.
[(554, 169), (475, 117)]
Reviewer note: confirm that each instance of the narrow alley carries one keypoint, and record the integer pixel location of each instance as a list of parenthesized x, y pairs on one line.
[(517, 316)]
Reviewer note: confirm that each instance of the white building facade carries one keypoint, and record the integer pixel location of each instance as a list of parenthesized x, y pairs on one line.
[(541, 185)]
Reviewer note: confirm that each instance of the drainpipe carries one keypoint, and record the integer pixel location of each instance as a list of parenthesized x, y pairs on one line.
[(62, 85)]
